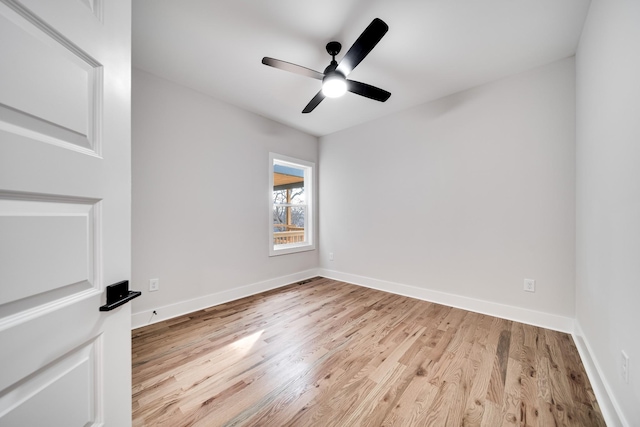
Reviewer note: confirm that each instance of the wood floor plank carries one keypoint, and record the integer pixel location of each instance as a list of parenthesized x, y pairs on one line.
[(328, 353), (511, 407), (480, 365)]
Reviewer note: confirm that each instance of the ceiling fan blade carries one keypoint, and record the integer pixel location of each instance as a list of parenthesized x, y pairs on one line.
[(293, 68), (368, 91), (361, 48), (313, 103)]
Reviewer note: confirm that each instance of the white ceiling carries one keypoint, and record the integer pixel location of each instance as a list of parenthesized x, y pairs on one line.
[(433, 48)]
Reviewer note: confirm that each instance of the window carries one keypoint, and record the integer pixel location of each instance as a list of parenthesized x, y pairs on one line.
[(291, 205)]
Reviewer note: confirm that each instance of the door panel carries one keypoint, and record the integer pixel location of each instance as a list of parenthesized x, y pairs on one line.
[(58, 333), (47, 247), (59, 394), (47, 71), (65, 187)]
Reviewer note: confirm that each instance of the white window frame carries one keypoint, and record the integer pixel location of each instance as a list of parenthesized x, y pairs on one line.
[(309, 220)]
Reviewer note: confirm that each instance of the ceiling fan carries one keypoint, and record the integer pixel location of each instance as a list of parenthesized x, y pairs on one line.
[(334, 78)]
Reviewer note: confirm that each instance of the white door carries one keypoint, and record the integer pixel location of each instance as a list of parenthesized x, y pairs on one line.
[(64, 212)]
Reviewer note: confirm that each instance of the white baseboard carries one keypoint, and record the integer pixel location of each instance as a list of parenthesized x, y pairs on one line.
[(531, 317), (144, 318), (610, 408)]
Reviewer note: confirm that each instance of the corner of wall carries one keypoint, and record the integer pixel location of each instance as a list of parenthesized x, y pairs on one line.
[(608, 405)]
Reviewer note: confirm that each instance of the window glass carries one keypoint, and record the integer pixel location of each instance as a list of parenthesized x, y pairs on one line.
[(291, 199)]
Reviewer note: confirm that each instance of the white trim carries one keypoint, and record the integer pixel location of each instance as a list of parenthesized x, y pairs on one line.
[(146, 317), (609, 406), (518, 314)]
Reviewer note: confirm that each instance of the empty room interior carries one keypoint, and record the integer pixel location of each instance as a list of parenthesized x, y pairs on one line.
[(505, 157), (337, 213)]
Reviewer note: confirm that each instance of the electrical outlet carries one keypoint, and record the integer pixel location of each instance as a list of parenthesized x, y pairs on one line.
[(529, 285), (625, 367), (330, 256), (154, 285)]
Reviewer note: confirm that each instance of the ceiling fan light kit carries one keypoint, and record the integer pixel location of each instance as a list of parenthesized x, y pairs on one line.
[(334, 85), (334, 78)]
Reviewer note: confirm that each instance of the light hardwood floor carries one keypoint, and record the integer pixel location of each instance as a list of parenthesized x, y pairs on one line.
[(327, 353)]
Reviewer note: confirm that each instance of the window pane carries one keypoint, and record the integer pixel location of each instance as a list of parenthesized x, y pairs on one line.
[(288, 224), (288, 184), (297, 196)]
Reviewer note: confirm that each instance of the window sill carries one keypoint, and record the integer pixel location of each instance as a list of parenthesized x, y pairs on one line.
[(291, 249)]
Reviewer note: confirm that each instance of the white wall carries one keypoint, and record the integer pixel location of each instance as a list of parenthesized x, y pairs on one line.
[(200, 204), (467, 195), (608, 195)]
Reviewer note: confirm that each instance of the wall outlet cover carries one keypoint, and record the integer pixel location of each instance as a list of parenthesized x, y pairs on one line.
[(529, 285), (625, 367)]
